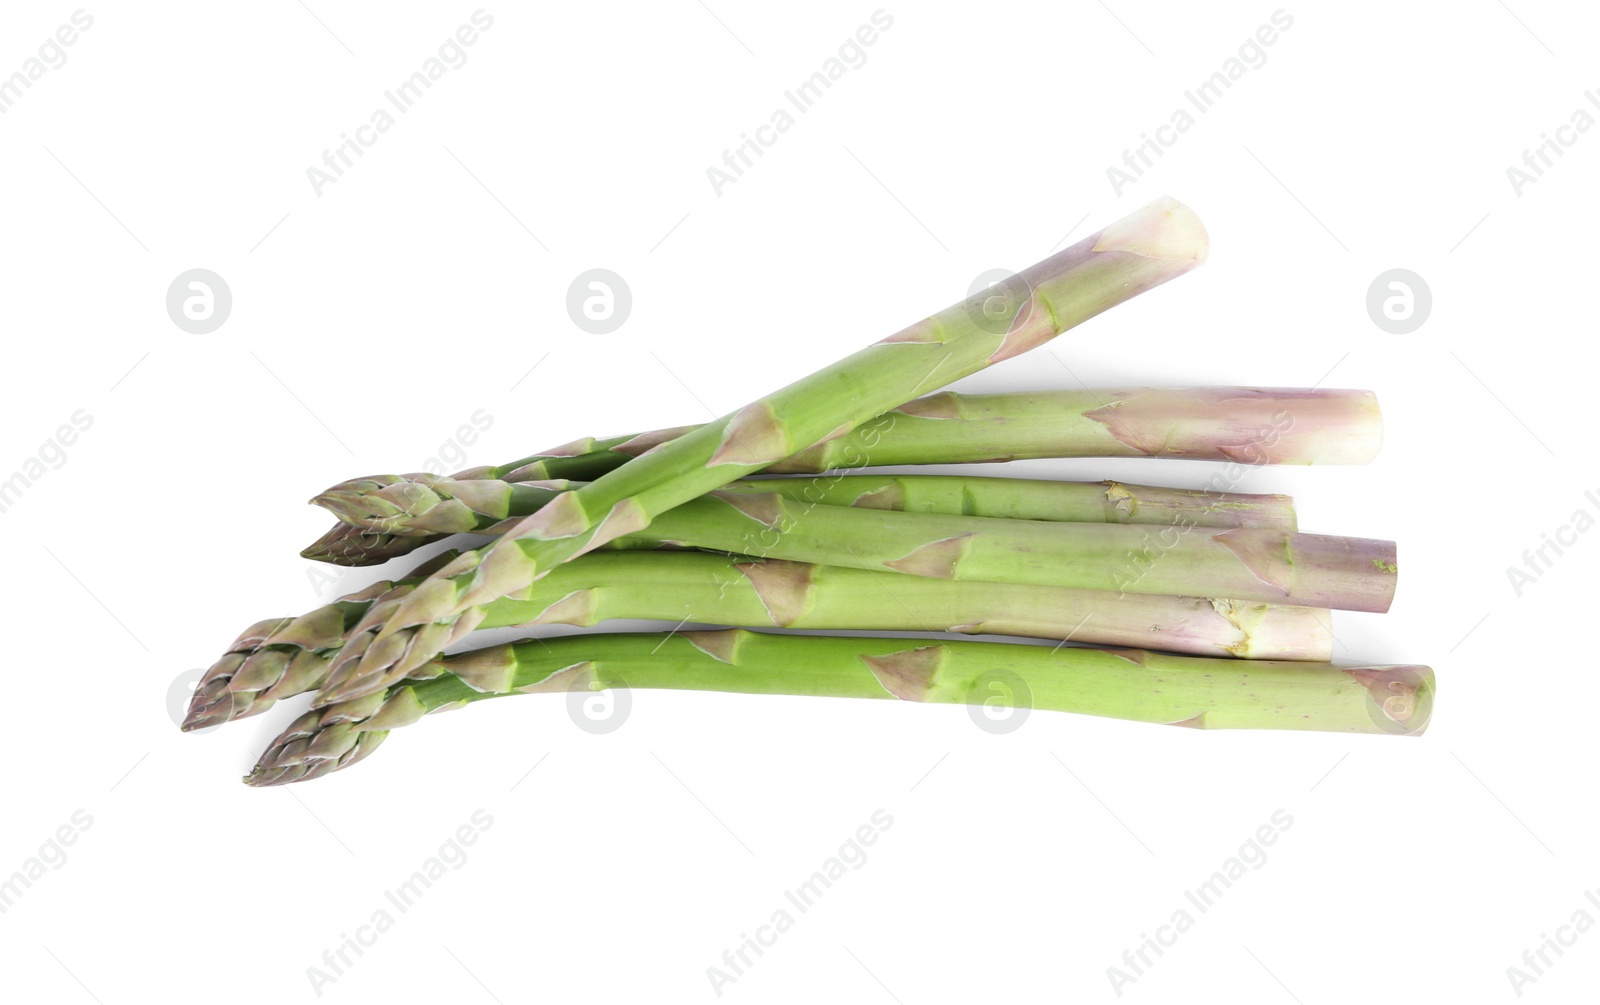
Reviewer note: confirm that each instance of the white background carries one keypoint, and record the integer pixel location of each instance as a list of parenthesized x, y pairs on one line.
[(372, 320)]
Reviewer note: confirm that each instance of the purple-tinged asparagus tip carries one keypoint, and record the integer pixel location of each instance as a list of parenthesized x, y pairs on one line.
[(352, 546)]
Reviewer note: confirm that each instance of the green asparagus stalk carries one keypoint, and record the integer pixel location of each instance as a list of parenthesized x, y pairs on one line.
[(279, 658), (1244, 425), (1248, 564), (1028, 499), (433, 507), (1255, 564), (1148, 248), (1124, 684)]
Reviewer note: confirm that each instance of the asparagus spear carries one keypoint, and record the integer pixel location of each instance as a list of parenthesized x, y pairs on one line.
[(276, 659), (1249, 564), (1247, 425), (1027, 499), (1148, 248), (266, 659), (432, 507), (280, 657), (1124, 684)]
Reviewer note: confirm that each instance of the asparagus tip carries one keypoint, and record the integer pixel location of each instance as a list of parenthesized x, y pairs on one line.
[(311, 748), (200, 718), (348, 545), (212, 703)]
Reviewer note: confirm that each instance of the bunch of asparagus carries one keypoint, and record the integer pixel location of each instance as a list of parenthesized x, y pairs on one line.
[(690, 524)]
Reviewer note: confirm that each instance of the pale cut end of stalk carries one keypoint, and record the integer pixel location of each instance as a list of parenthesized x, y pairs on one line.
[(1402, 696), (1246, 425), (1166, 229), (1319, 570)]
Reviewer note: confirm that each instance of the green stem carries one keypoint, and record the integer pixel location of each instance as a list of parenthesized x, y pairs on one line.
[(287, 656), (1265, 565), (1247, 425), (1029, 499), (1236, 424), (1122, 684), (436, 507), (719, 589)]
